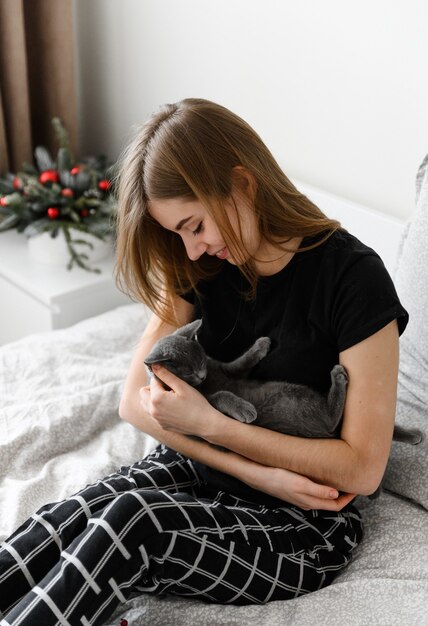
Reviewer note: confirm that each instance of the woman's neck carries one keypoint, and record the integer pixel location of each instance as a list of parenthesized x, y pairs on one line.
[(271, 259)]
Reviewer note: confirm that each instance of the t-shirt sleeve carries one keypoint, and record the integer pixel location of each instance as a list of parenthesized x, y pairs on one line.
[(364, 301)]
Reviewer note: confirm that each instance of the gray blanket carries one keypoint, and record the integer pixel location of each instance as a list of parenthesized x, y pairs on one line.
[(59, 430)]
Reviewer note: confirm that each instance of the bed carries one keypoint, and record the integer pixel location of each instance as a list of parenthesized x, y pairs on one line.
[(59, 430)]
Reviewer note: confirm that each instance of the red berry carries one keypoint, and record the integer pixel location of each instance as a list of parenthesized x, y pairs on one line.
[(84, 212), (123, 622), (3, 201), (104, 184), (75, 170), (53, 212), (67, 192), (49, 176), (17, 183)]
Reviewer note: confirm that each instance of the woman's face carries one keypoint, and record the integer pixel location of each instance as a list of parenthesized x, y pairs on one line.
[(200, 235)]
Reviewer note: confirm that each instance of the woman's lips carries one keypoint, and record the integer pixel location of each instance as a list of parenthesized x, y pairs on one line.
[(222, 254)]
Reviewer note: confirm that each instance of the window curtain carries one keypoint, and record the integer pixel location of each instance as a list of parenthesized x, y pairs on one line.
[(37, 79)]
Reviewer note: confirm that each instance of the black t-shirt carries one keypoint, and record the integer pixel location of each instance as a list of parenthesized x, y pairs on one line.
[(322, 302)]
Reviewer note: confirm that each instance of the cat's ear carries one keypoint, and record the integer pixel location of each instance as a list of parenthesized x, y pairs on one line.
[(189, 330)]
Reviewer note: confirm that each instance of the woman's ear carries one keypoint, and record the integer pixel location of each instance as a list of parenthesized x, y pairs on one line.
[(244, 182)]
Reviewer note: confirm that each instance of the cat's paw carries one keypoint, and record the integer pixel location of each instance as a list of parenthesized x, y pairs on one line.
[(247, 412), (262, 346), (228, 403), (339, 375)]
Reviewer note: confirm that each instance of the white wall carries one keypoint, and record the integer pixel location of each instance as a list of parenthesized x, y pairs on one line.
[(338, 90)]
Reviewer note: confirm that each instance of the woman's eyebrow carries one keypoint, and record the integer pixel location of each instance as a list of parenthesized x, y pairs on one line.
[(182, 222)]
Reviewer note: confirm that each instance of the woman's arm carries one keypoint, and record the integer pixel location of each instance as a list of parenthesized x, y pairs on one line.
[(280, 483), (354, 464), (277, 482), (137, 376)]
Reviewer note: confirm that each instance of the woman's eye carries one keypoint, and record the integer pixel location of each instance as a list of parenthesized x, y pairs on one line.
[(198, 228)]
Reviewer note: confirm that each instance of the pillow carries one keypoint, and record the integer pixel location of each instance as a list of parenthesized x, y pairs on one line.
[(407, 470)]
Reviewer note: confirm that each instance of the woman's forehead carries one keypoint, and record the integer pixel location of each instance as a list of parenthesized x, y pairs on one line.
[(172, 212)]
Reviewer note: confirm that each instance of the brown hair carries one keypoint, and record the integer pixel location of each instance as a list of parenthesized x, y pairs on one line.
[(189, 150)]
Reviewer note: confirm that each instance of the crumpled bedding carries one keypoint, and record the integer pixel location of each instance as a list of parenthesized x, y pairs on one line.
[(59, 423), (60, 430)]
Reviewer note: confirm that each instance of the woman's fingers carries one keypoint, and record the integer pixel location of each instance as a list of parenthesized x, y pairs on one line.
[(322, 491), (309, 488), (167, 377), (309, 502), (179, 407), (316, 496), (345, 499), (298, 489)]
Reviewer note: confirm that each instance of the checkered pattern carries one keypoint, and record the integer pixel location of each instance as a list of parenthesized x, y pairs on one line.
[(151, 528)]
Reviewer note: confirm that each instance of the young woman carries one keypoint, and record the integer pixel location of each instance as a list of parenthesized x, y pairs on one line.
[(209, 226)]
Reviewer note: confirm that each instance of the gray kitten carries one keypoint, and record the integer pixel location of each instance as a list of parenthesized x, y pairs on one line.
[(281, 406)]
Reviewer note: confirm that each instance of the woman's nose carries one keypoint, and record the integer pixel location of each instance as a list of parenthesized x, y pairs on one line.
[(195, 249)]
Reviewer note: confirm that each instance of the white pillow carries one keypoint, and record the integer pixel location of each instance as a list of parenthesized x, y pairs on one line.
[(407, 471)]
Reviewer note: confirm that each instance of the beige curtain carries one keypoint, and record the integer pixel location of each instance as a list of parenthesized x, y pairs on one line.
[(37, 79)]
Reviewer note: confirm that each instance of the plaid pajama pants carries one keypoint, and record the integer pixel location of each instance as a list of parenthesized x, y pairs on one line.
[(156, 527)]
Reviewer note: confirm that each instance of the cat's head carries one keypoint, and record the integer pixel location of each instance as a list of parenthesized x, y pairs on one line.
[(181, 354)]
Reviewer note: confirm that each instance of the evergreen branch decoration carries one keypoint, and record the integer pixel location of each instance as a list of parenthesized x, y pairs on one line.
[(61, 195)]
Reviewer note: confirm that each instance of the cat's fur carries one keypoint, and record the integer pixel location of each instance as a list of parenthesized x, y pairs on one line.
[(281, 406)]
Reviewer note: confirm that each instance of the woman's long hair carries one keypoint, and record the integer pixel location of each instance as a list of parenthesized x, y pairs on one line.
[(189, 150)]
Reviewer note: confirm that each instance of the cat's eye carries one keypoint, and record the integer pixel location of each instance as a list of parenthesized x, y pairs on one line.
[(198, 228)]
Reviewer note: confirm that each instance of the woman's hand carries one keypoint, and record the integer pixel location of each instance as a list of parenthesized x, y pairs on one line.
[(183, 409), (295, 488)]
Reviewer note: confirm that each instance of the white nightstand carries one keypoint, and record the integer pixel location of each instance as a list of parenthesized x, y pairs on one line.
[(36, 297)]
